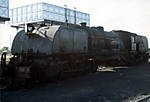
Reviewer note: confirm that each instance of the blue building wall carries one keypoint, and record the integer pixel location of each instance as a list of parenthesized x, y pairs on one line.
[(4, 9), (40, 11)]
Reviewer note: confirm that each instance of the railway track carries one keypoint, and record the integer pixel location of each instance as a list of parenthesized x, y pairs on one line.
[(144, 99)]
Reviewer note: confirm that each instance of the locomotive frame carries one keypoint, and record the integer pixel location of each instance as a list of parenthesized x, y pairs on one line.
[(55, 52)]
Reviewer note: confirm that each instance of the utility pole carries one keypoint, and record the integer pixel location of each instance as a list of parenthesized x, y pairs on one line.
[(75, 15), (66, 18)]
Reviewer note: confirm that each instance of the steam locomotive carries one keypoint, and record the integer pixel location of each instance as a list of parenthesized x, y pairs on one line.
[(52, 51)]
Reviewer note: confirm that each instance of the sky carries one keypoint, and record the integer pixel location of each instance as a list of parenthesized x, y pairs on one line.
[(128, 15)]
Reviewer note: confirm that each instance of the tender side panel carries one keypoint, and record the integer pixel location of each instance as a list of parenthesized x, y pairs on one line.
[(70, 40)]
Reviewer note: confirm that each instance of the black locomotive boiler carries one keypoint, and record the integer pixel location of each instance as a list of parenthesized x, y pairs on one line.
[(53, 51)]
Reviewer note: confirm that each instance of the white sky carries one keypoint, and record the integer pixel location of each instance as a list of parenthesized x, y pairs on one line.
[(129, 15)]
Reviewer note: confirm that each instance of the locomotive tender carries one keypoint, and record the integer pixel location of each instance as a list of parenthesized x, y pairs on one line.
[(53, 51)]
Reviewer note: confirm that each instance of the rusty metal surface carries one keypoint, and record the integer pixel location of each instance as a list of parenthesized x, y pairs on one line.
[(143, 43), (70, 40), (53, 39), (40, 42), (102, 42)]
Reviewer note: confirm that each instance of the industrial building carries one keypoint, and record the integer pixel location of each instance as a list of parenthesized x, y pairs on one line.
[(41, 12), (4, 11)]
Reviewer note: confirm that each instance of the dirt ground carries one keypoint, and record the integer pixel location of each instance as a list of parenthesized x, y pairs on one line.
[(122, 84)]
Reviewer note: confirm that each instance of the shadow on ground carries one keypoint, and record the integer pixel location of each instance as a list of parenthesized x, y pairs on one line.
[(120, 85)]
